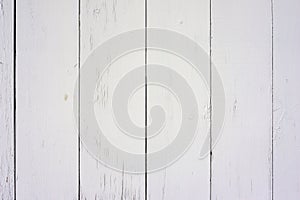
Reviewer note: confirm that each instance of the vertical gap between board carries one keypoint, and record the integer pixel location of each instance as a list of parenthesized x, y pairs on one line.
[(15, 95), (210, 101), (146, 123), (272, 100), (79, 68)]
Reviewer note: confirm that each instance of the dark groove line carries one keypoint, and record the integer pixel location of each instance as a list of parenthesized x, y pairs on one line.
[(272, 104), (15, 96), (210, 101), (78, 139), (146, 123)]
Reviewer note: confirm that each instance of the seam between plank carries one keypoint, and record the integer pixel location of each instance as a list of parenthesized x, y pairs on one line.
[(146, 123), (79, 67), (272, 100), (210, 101), (15, 95)]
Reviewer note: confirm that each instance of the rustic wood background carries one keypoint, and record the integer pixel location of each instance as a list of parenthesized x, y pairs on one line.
[(255, 45)]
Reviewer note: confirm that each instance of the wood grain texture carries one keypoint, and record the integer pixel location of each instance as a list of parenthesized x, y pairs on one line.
[(254, 45), (286, 99), (6, 101), (46, 73), (241, 50), (100, 21), (188, 177)]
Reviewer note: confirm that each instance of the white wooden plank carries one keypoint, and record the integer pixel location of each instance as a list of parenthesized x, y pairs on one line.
[(100, 21), (286, 99), (46, 72), (187, 177), (241, 51), (6, 101)]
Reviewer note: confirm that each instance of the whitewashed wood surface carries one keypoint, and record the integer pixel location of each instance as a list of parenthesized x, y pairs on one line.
[(6, 101), (255, 47), (241, 50)]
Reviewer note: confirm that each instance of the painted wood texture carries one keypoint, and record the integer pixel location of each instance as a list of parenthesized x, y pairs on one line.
[(46, 71), (254, 46), (241, 50), (6, 101), (100, 21), (188, 177), (286, 100)]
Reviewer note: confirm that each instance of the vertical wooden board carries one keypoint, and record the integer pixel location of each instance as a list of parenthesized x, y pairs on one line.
[(241, 51), (6, 101), (46, 72), (188, 176), (102, 20), (286, 99)]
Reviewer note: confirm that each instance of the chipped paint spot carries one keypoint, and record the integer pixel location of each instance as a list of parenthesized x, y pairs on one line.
[(235, 105), (66, 97)]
